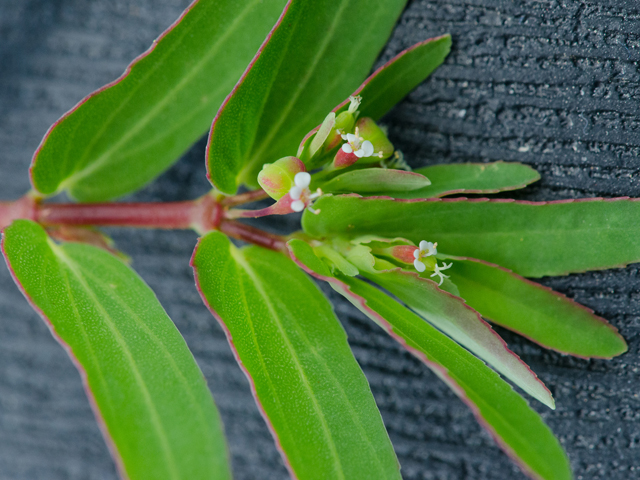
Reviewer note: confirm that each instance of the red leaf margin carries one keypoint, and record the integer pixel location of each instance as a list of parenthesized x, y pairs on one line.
[(102, 426), (252, 384), (560, 296), (97, 92), (438, 369)]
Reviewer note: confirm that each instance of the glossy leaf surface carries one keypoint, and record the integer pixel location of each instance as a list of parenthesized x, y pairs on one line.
[(295, 353), (372, 180), (315, 56), (149, 395), (532, 239), (540, 314), (452, 316), (512, 423), (449, 179), (125, 134)]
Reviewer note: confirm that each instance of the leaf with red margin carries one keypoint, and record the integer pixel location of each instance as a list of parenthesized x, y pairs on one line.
[(516, 428), (531, 238), (146, 390), (534, 311), (452, 316), (126, 133), (285, 336), (393, 81), (451, 179), (314, 56), (374, 180)]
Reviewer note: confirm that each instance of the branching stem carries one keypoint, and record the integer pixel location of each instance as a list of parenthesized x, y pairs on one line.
[(201, 215)]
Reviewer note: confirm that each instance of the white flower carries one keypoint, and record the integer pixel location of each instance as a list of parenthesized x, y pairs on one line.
[(357, 145), (425, 249), (300, 193), (439, 272)]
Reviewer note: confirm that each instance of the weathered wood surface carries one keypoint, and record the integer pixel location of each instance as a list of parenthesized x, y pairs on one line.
[(553, 84)]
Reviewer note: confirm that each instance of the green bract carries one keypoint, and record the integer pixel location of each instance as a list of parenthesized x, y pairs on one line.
[(433, 267)]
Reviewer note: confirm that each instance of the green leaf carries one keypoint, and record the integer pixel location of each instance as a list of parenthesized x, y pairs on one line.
[(451, 315), (532, 239), (125, 134), (315, 56), (393, 81), (540, 314), (295, 354), (449, 179), (374, 180), (517, 429), (148, 393), (396, 78)]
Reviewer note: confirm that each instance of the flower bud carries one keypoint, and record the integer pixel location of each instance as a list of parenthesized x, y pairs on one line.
[(382, 147), (277, 178)]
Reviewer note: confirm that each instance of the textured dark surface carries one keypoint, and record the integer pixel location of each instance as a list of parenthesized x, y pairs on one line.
[(550, 83)]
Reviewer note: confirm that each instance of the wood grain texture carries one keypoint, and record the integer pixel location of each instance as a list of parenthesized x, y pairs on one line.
[(548, 84)]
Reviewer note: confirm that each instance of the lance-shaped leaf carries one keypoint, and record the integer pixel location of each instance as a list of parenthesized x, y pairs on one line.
[(122, 136), (149, 396), (451, 315), (531, 238), (517, 429), (450, 179), (373, 180), (294, 351), (530, 309), (390, 83), (315, 56)]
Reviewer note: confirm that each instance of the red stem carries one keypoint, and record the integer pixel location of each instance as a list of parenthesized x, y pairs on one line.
[(247, 197), (249, 234), (202, 215)]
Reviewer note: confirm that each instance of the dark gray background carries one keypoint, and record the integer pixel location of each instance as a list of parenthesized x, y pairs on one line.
[(553, 84)]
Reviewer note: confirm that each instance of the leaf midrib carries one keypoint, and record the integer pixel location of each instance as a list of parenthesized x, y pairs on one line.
[(341, 388), (508, 364), (242, 261), (453, 376), (104, 157), (174, 366), (326, 40), (153, 412)]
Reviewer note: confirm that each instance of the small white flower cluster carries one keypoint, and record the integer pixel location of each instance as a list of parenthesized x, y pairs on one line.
[(300, 193), (357, 145), (427, 249)]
